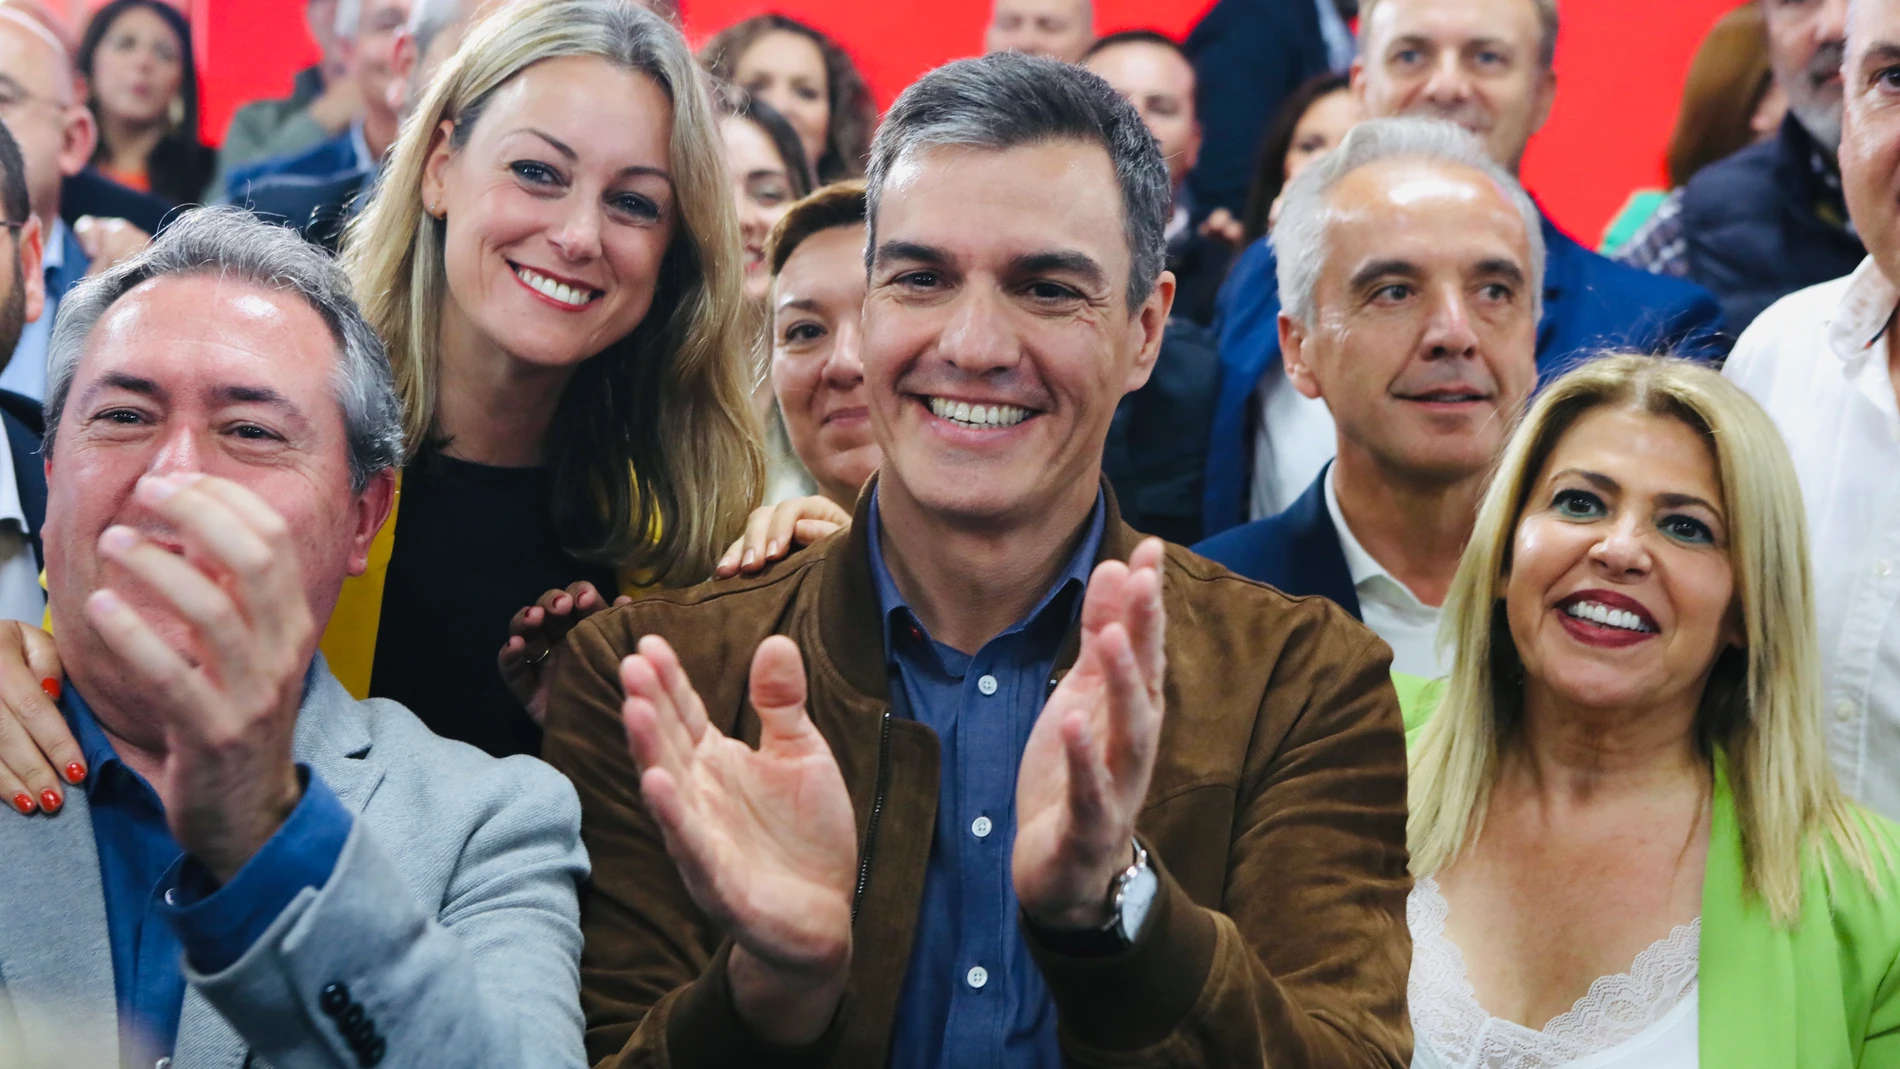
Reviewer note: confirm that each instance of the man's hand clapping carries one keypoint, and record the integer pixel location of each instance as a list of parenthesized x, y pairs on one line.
[(228, 780), (1086, 768), (765, 839)]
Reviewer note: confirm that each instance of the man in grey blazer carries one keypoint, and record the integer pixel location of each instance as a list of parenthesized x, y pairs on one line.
[(254, 868)]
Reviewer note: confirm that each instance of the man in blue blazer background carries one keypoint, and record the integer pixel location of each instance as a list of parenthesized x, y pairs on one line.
[(1413, 275), (1485, 65)]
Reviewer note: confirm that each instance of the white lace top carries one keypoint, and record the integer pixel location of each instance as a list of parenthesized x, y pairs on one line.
[(1641, 1019)]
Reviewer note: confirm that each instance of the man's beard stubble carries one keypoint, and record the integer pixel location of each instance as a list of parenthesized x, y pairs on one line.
[(13, 314)]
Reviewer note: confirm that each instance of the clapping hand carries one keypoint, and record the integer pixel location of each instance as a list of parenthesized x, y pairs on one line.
[(1086, 767), (765, 839), (229, 703)]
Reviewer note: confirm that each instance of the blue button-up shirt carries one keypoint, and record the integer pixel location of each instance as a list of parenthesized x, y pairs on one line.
[(140, 865), (973, 996)]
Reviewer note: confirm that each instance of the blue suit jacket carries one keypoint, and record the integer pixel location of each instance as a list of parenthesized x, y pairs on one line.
[(323, 160), (21, 419), (1297, 551), (1590, 304)]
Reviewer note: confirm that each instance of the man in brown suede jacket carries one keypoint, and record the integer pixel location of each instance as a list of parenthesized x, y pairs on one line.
[(982, 780)]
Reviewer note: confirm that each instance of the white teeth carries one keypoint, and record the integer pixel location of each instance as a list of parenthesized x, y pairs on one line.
[(977, 415), (1621, 619), (562, 292)]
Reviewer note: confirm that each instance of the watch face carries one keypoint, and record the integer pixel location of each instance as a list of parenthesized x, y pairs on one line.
[(1137, 895)]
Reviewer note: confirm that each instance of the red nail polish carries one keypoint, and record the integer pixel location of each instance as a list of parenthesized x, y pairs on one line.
[(23, 802), (51, 687), (75, 772), (49, 800)]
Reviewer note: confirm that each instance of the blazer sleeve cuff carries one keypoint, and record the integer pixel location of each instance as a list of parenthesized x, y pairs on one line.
[(1137, 997), (217, 924), (704, 1028)]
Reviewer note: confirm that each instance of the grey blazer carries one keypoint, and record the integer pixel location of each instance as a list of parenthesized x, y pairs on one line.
[(451, 918)]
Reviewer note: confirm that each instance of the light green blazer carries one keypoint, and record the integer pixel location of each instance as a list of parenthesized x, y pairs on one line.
[(1824, 994)]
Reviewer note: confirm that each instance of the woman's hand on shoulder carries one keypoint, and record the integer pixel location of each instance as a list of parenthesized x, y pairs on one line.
[(775, 530), (536, 638), (34, 737)]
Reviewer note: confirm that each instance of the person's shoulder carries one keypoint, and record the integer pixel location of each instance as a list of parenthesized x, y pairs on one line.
[(1806, 310), (1239, 548), (1212, 597), (454, 777), (1740, 170), (1618, 283), (718, 608)]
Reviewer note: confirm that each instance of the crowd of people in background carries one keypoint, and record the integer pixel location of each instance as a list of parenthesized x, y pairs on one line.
[(549, 547)]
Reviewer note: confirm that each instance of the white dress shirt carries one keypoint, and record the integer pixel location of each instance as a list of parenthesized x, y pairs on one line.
[(1818, 362), (1293, 440), (20, 595), (1388, 606), (26, 372)]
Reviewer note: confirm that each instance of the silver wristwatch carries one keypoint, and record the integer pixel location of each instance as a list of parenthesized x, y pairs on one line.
[(1130, 896)]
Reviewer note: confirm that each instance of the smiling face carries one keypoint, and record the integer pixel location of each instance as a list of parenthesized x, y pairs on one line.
[(1620, 592), (817, 361), (1319, 131), (1159, 82), (1424, 337), (761, 191), (997, 333), (787, 71), (1472, 62), (1805, 46), (1059, 29), (559, 211), (138, 68), (190, 373)]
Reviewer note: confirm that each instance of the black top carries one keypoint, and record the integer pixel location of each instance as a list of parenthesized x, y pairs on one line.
[(473, 545)]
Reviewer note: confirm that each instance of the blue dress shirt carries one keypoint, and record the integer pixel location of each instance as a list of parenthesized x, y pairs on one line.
[(159, 901), (973, 996)]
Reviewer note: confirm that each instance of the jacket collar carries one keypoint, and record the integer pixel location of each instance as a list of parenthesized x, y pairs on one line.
[(851, 621)]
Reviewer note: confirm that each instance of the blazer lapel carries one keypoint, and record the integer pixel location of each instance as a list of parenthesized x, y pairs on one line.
[(334, 741), (1315, 562), (55, 951)]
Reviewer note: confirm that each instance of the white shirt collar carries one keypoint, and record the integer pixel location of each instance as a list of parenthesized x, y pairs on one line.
[(9, 487), (1866, 309), (54, 255), (1367, 573)]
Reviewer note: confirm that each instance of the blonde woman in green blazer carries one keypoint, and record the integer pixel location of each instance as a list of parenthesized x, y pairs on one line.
[(1630, 850)]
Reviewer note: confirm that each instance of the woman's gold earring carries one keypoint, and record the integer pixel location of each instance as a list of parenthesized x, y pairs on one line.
[(176, 112)]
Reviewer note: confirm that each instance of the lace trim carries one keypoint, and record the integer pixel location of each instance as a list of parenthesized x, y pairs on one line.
[(1446, 1012)]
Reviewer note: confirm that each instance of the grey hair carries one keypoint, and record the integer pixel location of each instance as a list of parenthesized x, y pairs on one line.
[(1306, 216), (348, 14), (1008, 100), (1547, 25), (232, 244), (428, 19)]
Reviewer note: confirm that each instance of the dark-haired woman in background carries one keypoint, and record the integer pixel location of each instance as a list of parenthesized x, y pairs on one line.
[(1314, 119), (767, 165), (806, 77), (136, 57)]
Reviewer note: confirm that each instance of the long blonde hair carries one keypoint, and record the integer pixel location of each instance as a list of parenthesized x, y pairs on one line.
[(1761, 709), (655, 447)]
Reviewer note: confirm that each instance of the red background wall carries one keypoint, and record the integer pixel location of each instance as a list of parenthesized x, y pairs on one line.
[(1620, 65)]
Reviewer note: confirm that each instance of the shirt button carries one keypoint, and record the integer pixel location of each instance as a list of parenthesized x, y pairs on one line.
[(977, 977), (980, 827), (1883, 568), (987, 685), (162, 1063), (1844, 711)]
